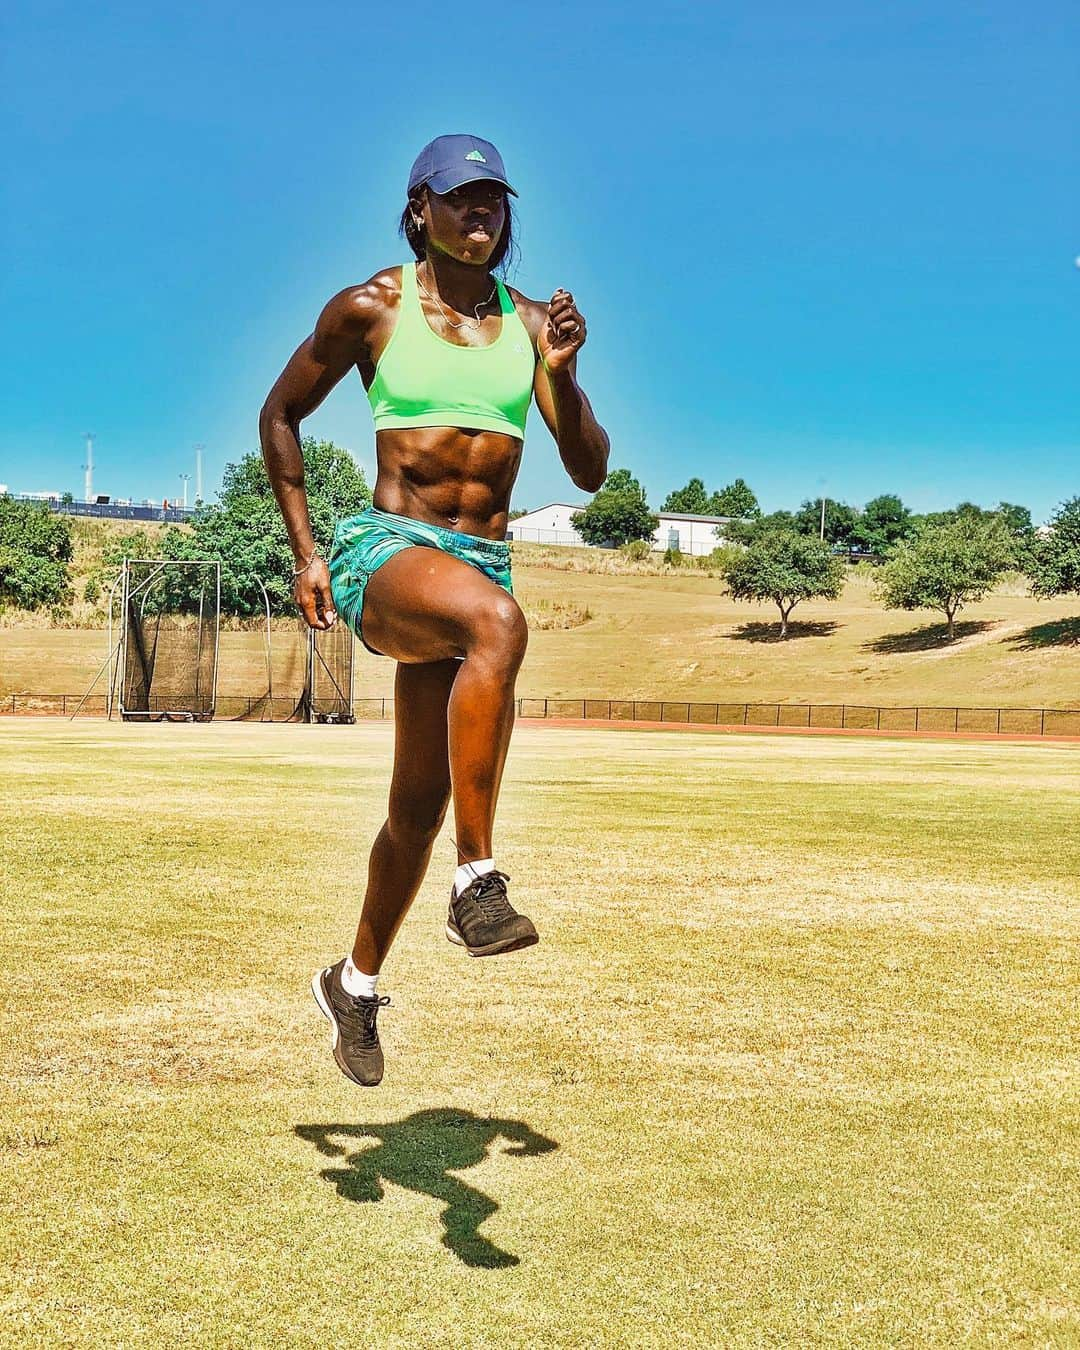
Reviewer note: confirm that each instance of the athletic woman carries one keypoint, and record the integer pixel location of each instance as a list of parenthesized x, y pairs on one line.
[(450, 358)]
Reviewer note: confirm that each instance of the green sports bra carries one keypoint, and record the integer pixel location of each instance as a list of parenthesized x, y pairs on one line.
[(422, 380)]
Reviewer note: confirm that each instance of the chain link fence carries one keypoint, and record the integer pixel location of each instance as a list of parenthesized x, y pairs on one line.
[(806, 716), (813, 716)]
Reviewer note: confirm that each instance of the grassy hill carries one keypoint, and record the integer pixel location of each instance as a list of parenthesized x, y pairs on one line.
[(607, 629)]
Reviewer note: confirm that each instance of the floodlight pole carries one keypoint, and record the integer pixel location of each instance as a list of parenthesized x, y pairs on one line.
[(184, 478), (88, 481)]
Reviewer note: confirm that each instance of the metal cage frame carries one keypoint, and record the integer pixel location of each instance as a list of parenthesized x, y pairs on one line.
[(117, 682)]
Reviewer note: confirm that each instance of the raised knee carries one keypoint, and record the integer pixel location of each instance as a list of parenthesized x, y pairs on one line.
[(498, 628)]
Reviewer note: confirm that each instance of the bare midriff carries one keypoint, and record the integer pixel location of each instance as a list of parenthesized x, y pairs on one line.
[(448, 476)]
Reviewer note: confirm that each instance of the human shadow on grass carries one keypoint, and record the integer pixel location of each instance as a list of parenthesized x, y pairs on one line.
[(758, 631), (925, 639), (1057, 633), (418, 1153)]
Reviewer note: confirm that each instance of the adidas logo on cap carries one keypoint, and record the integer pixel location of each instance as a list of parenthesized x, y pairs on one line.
[(476, 155)]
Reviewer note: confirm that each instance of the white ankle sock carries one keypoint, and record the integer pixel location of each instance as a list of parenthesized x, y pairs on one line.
[(355, 982), (468, 872)]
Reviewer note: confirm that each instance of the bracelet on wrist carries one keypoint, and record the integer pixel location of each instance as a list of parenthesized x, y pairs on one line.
[(299, 572)]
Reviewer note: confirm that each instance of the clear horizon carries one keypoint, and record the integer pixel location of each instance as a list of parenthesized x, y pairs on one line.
[(828, 251)]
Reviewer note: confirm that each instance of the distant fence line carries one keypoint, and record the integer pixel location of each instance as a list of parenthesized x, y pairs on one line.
[(171, 515), (807, 716)]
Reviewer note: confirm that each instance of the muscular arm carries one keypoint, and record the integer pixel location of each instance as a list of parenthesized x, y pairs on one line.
[(583, 443), (340, 341), (320, 362)]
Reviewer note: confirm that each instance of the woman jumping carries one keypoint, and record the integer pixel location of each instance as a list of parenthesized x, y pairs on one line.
[(450, 358)]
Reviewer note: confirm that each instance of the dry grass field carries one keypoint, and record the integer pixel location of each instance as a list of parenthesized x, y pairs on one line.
[(680, 636), (794, 1063)]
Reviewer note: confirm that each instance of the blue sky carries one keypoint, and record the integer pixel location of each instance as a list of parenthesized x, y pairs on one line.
[(816, 245)]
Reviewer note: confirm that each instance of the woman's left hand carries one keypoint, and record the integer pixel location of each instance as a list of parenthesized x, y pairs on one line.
[(561, 333)]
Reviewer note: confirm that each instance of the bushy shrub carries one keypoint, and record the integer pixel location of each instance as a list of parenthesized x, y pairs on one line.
[(721, 558), (635, 550)]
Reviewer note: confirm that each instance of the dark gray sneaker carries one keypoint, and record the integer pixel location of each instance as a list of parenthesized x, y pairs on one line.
[(483, 920), (355, 1038)]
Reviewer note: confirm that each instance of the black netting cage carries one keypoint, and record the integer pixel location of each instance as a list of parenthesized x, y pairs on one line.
[(170, 612), (330, 675)]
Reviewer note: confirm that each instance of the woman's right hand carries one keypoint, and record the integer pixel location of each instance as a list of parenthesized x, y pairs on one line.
[(311, 591)]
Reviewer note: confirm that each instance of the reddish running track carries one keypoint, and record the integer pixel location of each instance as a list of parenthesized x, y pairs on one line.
[(739, 729)]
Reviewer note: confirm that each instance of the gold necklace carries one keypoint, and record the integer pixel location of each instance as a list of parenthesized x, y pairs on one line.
[(465, 322)]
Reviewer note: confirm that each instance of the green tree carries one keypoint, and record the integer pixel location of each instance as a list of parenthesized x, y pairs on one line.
[(735, 500), (785, 567), (946, 567), (691, 500), (745, 531), (618, 512), (839, 521), (881, 524), (1020, 526), (35, 550), (1054, 561), (1017, 518), (245, 531)]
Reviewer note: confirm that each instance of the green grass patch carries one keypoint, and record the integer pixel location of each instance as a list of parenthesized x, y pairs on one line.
[(794, 1062)]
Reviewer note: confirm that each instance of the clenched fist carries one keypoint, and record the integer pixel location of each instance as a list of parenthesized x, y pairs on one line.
[(562, 332)]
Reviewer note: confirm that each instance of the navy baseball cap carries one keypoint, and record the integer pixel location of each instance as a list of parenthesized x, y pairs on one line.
[(448, 161)]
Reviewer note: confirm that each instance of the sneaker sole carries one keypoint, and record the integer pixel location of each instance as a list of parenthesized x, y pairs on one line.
[(492, 948), (319, 994)]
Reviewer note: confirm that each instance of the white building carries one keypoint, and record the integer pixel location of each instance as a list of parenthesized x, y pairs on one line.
[(694, 535), (547, 525)]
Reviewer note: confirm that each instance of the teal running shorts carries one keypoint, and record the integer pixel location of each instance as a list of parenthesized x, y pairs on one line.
[(363, 543)]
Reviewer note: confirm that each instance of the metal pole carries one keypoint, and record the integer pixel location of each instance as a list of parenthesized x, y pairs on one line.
[(198, 653), (311, 676), (122, 644), (88, 481), (352, 674), (269, 661), (112, 651), (217, 640)]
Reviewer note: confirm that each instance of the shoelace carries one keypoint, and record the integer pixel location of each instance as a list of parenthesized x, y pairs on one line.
[(359, 1016), (490, 895)]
